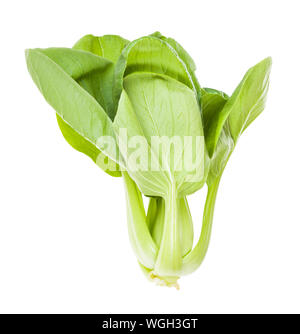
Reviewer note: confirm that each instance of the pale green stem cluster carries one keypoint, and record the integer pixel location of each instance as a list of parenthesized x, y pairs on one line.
[(163, 239)]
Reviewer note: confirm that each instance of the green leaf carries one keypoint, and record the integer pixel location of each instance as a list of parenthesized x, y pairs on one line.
[(53, 74), (150, 54), (186, 58), (99, 83), (156, 105), (91, 72), (107, 46), (212, 102), (82, 145), (245, 104), (248, 100), (85, 69), (223, 150), (75, 63), (151, 183)]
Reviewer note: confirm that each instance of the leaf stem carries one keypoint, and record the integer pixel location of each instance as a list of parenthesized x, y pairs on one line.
[(169, 259), (139, 234), (194, 258)]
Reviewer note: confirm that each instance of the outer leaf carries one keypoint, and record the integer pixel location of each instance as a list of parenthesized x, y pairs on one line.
[(82, 145), (100, 86), (212, 103), (71, 102), (107, 46), (245, 104), (161, 107), (151, 183), (150, 54), (248, 100), (75, 63), (182, 53), (224, 148), (93, 73), (243, 107)]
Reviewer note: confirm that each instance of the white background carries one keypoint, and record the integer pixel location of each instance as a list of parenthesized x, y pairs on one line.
[(63, 239)]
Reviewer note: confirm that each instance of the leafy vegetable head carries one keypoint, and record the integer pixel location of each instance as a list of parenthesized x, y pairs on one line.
[(137, 109)]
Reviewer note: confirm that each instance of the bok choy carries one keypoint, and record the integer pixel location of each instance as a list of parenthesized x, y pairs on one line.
[(138, 111)]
